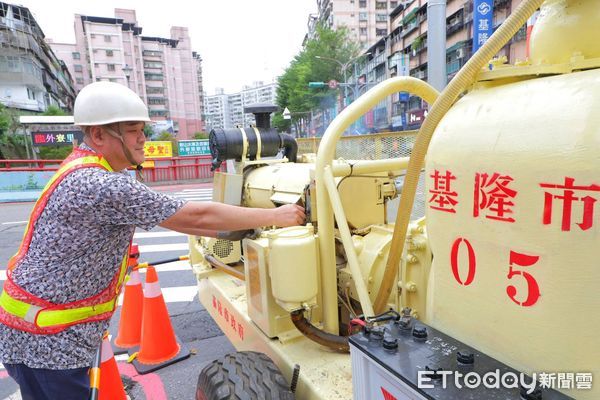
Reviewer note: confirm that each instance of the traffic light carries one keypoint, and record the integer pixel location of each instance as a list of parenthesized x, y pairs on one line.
[(315, 85)]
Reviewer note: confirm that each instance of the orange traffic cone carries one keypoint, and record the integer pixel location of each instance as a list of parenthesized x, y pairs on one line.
[(111, 386), (159, 346), (130, 322)]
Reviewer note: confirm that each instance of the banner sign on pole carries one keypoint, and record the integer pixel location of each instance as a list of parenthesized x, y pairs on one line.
[(482, 22), (159, 149), (56, 138), (188, 148)]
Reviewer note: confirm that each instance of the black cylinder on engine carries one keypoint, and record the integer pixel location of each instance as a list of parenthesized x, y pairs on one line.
[(228, 144)]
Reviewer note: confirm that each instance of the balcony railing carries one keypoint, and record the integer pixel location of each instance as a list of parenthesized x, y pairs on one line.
[(455, 26), (410, 27), (453, 66), (421, 74)]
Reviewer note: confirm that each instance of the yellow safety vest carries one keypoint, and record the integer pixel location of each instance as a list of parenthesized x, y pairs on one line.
[(22, 310)]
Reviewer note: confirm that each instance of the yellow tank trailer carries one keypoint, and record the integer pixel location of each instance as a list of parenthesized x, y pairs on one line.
[(498, 284)]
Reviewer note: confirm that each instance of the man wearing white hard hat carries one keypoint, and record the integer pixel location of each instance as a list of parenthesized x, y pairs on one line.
[(63, 283)]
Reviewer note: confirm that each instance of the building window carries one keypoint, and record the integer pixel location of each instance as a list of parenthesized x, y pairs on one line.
[(76, 55), (363, 31), (78, 68), (111, 67), (79, 81), (362, 3), (381, 17), (363, 16), (156, 100), (109, 53), (380, 32), (393, 4), (30, 94), (154, 90), (381, 5), (154, 77), (107, 38)]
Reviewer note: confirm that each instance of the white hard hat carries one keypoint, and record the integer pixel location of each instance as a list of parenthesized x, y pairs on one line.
[(102, 103)]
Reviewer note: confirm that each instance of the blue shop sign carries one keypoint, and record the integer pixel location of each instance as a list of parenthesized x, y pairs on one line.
[(482, 22)]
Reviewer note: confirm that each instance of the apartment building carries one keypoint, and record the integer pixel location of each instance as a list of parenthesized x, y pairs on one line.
[(198, 69), (226, 111), (408, 42), (404, 52), (366, 20), (32, 77), (162, 71), (216, 108)]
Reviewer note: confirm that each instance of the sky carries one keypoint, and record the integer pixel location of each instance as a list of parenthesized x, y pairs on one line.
[(240, 41)]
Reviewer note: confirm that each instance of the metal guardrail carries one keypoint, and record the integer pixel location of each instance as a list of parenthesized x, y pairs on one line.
[(164, 169), (366, 147)]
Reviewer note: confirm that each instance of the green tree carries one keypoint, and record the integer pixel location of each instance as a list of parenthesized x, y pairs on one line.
[(279, 123), (148, 131), (54, 110), (200, 135), (55, 152), (293, 91), (4, 121), (165, 136), (11, 144)]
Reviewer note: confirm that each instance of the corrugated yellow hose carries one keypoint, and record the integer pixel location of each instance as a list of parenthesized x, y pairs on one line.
[(461, 82)]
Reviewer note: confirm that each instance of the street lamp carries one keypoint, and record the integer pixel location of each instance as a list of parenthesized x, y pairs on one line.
[(344, 68), (127, 71)]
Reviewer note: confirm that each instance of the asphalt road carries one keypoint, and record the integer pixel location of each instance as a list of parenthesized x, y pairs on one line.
[(191, 322)]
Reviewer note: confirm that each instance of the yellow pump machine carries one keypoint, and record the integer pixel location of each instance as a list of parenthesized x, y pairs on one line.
[(498, 283)]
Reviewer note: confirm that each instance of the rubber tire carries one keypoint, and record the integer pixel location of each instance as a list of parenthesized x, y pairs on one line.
[(244, 375)]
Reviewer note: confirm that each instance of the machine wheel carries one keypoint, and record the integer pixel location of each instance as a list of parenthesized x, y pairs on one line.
[(244, 375)]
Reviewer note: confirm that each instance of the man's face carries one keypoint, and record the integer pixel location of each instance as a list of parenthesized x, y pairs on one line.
[(133, 139)]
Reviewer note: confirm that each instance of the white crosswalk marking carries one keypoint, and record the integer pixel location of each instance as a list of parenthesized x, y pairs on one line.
[(201, 194), (155, 248), (175, 294), (146, 235)]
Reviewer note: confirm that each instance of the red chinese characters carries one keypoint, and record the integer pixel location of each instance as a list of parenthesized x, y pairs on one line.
[(443, 198), (229, 317), (39, 138), (571, 196), (493, 198)]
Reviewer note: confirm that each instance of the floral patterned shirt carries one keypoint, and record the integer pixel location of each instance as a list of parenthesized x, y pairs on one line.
[(78, 244)]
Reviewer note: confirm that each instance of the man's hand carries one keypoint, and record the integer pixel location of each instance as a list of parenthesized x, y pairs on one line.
[(289, 215)]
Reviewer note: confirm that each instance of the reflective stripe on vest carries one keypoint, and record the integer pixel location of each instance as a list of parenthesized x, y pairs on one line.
[(52, 318), (43, 317)]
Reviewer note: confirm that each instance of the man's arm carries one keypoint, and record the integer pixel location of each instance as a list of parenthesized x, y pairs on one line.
[(206, 218)]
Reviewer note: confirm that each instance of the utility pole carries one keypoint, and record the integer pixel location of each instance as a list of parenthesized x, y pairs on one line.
[(436, 44)]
